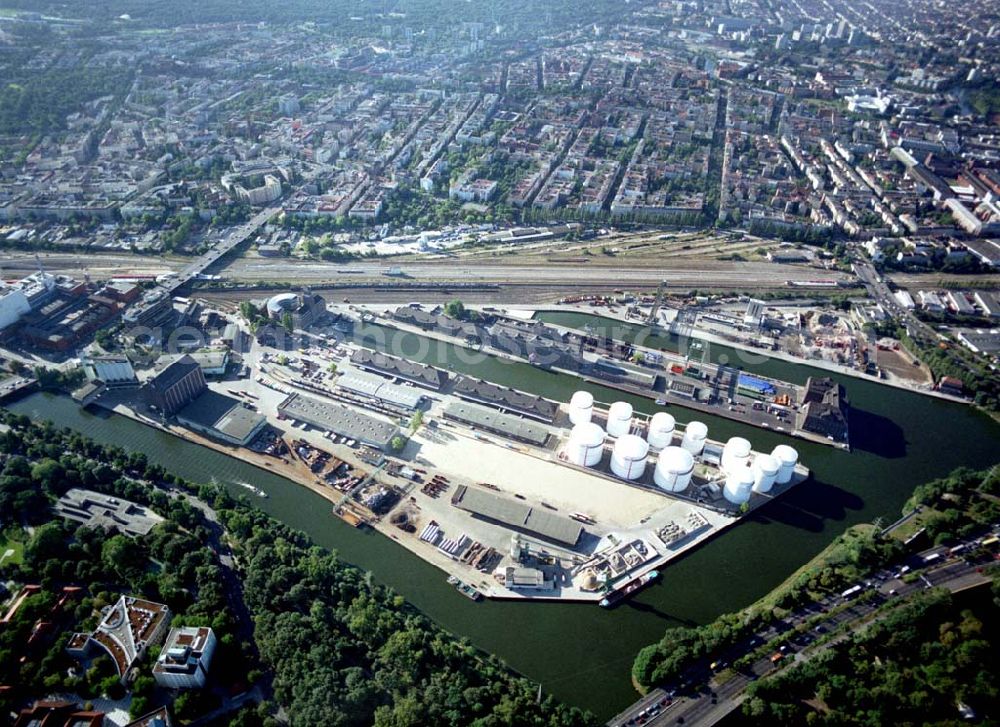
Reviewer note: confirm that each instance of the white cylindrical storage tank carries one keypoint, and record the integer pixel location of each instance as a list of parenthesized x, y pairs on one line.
[(619, 418), (586, 444), (787, 459), (661, 430), (628, 459), (765, 469), (674, 469), (739, 483), (695, 434), (581, 407), (735, 454)]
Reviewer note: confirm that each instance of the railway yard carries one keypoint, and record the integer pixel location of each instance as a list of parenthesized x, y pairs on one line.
[(521, 272)]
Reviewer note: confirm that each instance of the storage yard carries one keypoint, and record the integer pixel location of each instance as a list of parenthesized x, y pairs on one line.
[(588, 513)]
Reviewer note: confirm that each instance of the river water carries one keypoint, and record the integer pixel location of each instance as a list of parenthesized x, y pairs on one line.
[(581, 653)]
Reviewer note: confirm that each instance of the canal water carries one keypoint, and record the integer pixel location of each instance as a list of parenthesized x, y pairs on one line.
[(581, 653)]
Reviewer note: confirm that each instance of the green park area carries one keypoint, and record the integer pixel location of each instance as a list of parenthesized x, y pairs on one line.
[(11, 546)]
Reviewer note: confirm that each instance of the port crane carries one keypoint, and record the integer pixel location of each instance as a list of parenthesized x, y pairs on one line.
[(655, 310)]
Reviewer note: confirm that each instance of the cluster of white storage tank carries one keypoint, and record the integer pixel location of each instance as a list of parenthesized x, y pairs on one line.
[(675, 465), (735, 454), (581, 407), (619, 419), (695, 434), (787, 458), (586, 444), (674, 469), (765, 471), (744, 478), (739, 484), (628, 458), (660, 432)]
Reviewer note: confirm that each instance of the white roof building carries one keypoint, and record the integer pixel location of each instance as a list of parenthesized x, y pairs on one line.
[(904, 299), (13, 304), (375, 387), (185, 658)]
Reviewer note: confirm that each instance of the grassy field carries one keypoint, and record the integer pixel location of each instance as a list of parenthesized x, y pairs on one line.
[(13, 541)]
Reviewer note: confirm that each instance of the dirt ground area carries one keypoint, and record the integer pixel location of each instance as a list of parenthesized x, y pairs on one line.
[(569, 490), (900, 365)]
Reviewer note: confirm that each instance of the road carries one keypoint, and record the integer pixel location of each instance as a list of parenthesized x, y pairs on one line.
[(236, 237), (233, 588), (706, 702), (879, 291), (200, 264), (919, 331)]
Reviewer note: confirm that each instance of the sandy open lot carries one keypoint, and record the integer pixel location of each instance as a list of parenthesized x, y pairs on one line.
[(616, 504)]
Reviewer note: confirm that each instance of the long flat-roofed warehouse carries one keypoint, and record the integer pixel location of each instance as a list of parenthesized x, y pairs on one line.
[(416, 373), (512, 513), (490, 420), (339, 420), (380, 389), (506, 399)]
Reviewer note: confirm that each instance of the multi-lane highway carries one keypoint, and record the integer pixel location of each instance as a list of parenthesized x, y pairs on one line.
[(879, 291), (705, 701)]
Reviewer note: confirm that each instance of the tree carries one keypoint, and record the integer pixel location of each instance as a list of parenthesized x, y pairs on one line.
[(416, 420), (47, 543), (104, 339), (287, 322), (49, 474), (124, 556), (455, 309), (397, 443)]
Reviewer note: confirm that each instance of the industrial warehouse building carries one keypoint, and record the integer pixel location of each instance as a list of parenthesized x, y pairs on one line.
[(984, 342), (518, 515), (399, 368), (489, 420), (113, 371), (506, 399), (754, 386), (176, 386), (339, 420), (374, 387), (222, 417), (824, 409), (212, 361), (13, 304)]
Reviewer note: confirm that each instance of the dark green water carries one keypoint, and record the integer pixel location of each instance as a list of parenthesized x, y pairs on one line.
[(581, 653)]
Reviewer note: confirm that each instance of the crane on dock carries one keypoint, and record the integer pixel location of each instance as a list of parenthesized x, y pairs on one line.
[(655, 310)]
